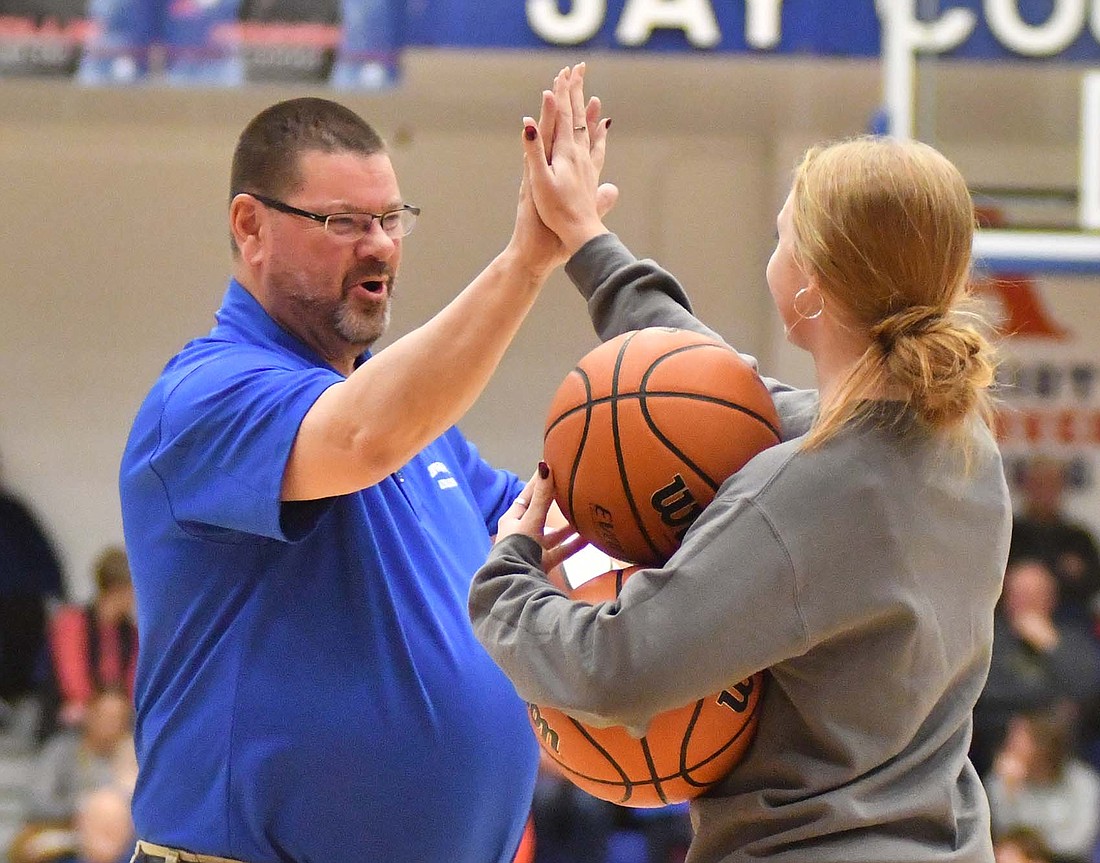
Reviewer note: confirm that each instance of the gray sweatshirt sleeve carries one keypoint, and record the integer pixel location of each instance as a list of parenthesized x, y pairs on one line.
[(625, 293), (623, 662)]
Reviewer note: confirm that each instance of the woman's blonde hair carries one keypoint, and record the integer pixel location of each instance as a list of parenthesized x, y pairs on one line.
[(885, 226)]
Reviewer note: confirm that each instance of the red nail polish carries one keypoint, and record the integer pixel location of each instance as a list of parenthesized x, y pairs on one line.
[(607, 125), (544, 469), (529, 133)]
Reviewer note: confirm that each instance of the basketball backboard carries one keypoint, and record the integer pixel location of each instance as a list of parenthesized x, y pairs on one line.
[(1034, 217)]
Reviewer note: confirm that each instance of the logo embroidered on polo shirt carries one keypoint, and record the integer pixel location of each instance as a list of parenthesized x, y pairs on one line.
[(436, 468)]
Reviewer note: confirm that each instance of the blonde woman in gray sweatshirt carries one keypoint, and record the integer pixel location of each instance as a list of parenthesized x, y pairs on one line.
[(858, 561)]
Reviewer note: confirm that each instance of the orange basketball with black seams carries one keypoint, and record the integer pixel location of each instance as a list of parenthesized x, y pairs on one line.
[(683, 753), (644, 430)]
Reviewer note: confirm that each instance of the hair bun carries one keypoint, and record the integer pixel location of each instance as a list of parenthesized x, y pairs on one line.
[(942, 361), (913, 321)]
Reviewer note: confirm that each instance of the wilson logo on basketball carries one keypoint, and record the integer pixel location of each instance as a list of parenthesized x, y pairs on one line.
[(547, 735), (740, 701), (676, 506)]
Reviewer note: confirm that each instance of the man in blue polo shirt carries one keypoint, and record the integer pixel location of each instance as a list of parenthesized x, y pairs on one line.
[(303, 521)]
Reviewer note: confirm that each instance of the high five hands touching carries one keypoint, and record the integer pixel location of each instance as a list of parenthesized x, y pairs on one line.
[(563, 156), (561, 207)]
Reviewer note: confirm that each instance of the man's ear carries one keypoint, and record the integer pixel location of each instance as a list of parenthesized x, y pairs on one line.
[(245, 222)]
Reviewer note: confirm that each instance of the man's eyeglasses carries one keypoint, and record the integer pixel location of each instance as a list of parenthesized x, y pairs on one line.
[(352, 227)]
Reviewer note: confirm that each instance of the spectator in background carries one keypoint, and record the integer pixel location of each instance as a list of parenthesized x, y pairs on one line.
[(102, 831), (94, 647), (73, 763), (1037, 783), (1042, 531), (1037, 662), (571, 825), (1021, 845), (30, 579), (660, 835), (104, 828)]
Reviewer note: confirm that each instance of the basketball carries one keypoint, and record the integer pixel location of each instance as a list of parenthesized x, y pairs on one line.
[(684, 751), (643, 431)]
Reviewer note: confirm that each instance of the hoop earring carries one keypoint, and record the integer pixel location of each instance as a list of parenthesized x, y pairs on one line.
[(802, 316)]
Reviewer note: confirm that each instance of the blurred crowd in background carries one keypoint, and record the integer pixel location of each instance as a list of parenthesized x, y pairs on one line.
[(70, 668)]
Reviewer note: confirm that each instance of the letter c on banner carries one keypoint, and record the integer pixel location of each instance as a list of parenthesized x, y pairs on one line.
[(579, 24), (948, 31), (1065, 23)]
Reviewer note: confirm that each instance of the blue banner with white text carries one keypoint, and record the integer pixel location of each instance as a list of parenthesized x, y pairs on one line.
[(358, 43), (978, 29)]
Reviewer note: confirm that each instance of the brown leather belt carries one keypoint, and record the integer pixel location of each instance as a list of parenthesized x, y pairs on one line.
[(162, 854)]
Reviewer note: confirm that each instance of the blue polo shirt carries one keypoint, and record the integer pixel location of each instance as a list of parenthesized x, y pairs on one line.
[(309, 688)]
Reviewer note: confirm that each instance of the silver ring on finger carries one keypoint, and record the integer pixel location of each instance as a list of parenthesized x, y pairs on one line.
[(580, 128)]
